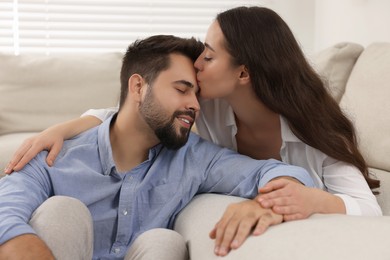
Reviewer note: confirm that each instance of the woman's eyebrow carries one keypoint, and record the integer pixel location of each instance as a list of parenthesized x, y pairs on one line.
[(208, 46)]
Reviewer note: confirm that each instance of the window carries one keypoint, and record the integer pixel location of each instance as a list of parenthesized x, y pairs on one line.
[(52, 26)]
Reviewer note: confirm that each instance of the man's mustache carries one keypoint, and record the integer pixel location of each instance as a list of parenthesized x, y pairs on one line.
[(190, 113)]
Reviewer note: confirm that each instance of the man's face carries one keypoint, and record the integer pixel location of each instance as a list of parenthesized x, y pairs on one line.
[(170, 106)]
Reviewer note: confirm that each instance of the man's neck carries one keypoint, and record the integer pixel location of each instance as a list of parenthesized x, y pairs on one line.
[(130, 140)]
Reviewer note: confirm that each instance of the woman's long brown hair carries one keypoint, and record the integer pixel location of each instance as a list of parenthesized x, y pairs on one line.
[(285, 82)]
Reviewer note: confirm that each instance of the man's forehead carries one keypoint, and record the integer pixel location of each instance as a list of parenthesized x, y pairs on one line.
[(182, 69)]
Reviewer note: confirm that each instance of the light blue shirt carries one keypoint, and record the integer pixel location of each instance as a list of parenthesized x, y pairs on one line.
[(127, 204)]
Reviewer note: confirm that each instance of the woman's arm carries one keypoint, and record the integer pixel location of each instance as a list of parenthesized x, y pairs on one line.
[(347, 182), (295, 201), (347, 193), (50, 139)]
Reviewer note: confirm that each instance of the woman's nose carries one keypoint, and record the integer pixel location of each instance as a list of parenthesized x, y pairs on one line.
[(198, 63)]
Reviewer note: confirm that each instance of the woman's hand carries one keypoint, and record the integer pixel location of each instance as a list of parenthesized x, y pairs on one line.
[(238, 222), (296, 201), (50, 139)]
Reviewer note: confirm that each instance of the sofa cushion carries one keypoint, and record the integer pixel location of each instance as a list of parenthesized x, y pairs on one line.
[(366, 101), (334, 65), (319, 237), (59, 87)]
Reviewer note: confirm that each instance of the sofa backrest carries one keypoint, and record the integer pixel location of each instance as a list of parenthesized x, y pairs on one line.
[(366, 101), (54, 88)]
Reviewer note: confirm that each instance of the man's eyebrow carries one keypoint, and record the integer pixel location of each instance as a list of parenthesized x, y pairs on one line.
[(184, 82), (208, 46), (187, 84)]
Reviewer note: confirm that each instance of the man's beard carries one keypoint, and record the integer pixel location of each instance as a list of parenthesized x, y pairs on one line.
[(162, 124)]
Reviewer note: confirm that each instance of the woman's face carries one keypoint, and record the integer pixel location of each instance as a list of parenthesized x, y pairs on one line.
[(217, 77)]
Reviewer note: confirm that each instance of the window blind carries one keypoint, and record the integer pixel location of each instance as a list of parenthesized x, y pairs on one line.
[(6, 26), (52, 26)]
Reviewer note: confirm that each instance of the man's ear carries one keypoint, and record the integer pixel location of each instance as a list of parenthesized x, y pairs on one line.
[(244, 75), (135, 85)]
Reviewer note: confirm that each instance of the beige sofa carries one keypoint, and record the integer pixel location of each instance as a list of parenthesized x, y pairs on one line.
[(38, 91)]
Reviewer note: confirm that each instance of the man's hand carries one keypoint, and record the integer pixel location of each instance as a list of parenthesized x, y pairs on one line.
[(25, 247), (238, 222)]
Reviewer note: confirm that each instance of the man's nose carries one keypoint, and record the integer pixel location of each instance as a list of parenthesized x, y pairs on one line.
[(193, 103)]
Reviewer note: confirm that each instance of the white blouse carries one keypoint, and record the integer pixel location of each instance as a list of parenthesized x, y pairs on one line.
[(216, 123)]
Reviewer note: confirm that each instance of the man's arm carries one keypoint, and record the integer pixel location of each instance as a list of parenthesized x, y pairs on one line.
[(21, 194), (26, 246), (230, 173)]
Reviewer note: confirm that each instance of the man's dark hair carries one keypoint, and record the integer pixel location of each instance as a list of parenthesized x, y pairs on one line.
[(150, 56)]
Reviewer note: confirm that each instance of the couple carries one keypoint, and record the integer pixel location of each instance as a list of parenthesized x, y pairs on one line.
[(261, 95)]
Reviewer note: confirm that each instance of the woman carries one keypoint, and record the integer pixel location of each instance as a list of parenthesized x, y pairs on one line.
[(261, 97)]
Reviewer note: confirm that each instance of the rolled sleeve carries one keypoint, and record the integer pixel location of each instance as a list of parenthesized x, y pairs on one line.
[(21, 193), (347, 182), (15, 208), (287, 171), (14, 229)]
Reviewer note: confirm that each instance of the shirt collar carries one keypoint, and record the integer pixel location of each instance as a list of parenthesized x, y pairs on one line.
[(287, 134), (105, 149), (230, 120), (104, 146)]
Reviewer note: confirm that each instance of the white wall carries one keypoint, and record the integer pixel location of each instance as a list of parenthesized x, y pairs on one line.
[(318, 24), (300, 17), (360, 21)]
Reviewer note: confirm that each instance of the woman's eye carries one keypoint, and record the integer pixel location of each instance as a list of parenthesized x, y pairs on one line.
[(207, 58), (181, 90)]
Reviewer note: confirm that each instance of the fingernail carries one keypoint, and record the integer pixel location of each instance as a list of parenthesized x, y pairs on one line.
[(222, 251), (257, 231), (235, 243), (216, 250)]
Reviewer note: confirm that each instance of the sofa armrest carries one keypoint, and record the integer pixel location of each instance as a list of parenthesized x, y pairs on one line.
[(319, 237)]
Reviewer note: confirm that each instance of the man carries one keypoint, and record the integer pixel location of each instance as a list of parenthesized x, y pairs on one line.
[(136, 171)]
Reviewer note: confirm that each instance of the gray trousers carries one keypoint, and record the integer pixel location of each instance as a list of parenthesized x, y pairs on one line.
[(65, 224)]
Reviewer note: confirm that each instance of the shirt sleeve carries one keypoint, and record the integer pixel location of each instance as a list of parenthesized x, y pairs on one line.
[(234, 174), (347, 182), (101, 114), (21, 193)]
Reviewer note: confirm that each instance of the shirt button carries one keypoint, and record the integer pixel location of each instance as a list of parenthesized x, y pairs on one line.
[(117, 250), (124, 212)]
